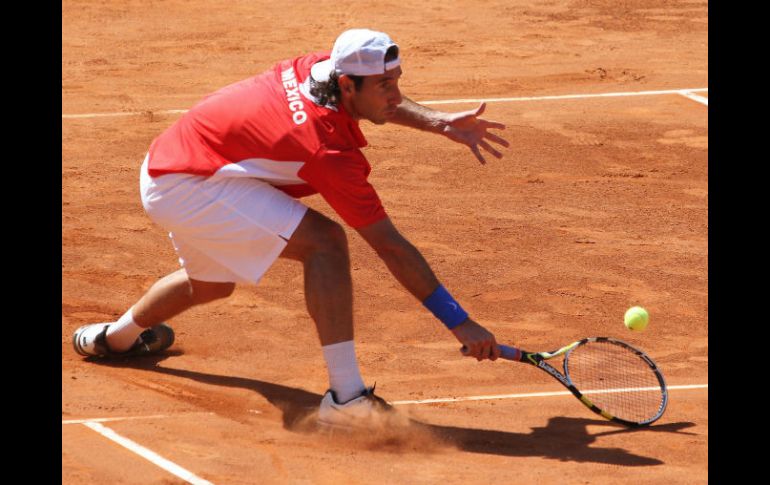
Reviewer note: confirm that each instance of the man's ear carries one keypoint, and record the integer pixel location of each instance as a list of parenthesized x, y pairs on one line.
[(346, 84)]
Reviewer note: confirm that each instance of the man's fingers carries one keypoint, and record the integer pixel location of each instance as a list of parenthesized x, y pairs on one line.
[(495, 351), (486, 146), (486, 351), (497, 139), (474, 351), (491, 350), (493, 124), (481, 351), (475, 150), (466, 115), (481, 354)]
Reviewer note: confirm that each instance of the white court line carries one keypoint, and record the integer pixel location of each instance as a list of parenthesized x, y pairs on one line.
[(150, 455), (426, 401), (190, 477), (532, 394), (126, 113), (126, 418), (695, 97), (445, 101), (567, 96)]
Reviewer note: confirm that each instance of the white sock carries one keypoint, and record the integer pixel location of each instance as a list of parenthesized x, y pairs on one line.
[(122, 334), (344, 378)]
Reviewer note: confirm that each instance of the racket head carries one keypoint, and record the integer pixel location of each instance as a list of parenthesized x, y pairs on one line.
[(617, 380)]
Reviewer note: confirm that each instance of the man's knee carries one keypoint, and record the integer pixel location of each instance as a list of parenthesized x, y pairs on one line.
[(331, 239), (317, 235), (206, 291)]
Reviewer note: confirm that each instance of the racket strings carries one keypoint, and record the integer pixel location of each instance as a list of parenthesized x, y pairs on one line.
[(616, 380)]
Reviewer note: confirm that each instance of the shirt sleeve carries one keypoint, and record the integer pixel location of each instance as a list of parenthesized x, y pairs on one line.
[(340, 176)]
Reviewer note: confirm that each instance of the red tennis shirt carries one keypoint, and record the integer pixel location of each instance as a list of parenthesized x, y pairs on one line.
[(268, 127)]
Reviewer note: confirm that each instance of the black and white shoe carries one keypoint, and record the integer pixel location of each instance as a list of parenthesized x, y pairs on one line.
[(151, 341)]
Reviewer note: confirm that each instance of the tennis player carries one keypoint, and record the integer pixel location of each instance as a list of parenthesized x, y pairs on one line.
[(225, 180)]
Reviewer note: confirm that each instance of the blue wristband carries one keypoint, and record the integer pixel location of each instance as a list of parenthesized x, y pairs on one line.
[(445, 308)]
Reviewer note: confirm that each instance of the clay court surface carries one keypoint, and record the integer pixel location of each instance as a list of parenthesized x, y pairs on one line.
[(599, 204)]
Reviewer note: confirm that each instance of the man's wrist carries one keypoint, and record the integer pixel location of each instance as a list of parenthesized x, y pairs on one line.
[(445, 308)]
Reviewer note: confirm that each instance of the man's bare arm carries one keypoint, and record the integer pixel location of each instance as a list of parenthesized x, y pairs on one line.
[(464, 127), (410, 268)]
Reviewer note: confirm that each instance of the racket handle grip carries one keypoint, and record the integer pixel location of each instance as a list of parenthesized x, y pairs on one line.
[(510, 353), (506, 352)]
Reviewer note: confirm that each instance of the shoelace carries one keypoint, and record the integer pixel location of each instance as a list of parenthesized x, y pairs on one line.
[(369, 393)]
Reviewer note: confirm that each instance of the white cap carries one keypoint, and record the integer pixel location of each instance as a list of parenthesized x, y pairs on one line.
[(358, 52)]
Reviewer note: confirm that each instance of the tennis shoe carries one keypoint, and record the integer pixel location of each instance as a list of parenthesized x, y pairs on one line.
[(151, 341), (365, 411)]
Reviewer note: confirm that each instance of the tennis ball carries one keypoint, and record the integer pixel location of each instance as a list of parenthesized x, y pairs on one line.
[(636, 318)]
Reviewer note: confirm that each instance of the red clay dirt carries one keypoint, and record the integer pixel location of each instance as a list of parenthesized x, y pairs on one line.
[(599, 204)]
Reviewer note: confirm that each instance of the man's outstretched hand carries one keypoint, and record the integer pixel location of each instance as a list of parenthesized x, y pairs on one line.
[(467, 128)]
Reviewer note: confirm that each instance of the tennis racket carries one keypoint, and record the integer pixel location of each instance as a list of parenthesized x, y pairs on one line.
[(624, 384)]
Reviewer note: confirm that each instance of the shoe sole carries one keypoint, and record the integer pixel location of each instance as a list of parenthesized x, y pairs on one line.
[(75, 341), (326, 426), (164, 339), (377, 420)]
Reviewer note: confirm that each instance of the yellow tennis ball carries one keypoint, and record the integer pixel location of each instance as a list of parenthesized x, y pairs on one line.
[(636, 318)]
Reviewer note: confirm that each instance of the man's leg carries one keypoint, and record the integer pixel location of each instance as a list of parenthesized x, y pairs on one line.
[(322, 247), (175, 293), (168, 297)]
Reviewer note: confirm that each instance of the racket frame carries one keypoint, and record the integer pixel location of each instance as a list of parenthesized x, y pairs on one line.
[(539, 360)]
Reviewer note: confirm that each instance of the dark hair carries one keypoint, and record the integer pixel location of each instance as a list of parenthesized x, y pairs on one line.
[(328, 92)]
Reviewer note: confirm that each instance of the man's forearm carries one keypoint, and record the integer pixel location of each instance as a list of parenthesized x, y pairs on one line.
[(417, 116), (410, 268)]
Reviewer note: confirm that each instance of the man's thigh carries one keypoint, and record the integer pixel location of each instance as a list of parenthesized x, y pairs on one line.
[(313, 232)]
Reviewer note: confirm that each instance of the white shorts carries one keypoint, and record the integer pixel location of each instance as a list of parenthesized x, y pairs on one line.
[(223, 230)]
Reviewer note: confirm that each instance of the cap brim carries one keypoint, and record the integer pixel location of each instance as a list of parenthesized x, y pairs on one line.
[(322, 70)]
